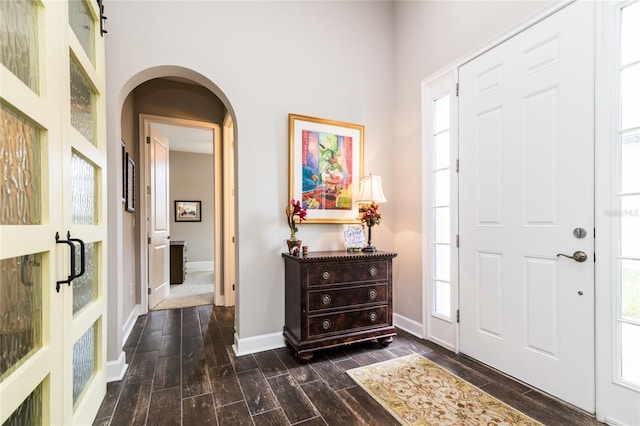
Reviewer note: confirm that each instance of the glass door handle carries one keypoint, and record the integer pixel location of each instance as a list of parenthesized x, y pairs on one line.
[(578, 256)]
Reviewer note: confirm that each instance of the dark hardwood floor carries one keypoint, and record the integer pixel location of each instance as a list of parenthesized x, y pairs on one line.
[(182, 371)]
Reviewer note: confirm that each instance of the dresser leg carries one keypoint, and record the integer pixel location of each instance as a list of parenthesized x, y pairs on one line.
[(384, 341), (306, 357)]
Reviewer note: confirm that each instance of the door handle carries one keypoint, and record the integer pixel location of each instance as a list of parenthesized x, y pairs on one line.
[(82, 254), (578, 256), (72, 259)]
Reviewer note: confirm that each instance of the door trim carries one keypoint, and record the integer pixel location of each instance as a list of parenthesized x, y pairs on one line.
[(145, 120)]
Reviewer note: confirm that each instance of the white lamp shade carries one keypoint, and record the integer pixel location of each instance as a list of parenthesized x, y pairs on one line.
[(371, 190)]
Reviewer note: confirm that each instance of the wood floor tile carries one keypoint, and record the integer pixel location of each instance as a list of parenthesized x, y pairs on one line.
[(168, 373), (332, 375), (271, 418), (170, 345), (242, 363), (110, 400), (224, 384), (150, 341), (234, 414), (155, 321), (257, 392), (165, 408), (172, 323), (347, 364), (301, 371), (215, 349), (199, 411), (143, 367), (195, 379), (365, 407), (332, 409), (136, 331), (192, 348), (293, 401), (270, 364), (133, 404), (463, 371)]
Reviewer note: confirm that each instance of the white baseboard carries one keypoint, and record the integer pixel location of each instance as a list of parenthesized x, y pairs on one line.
[(408, 325), (200, 266), (255, 344), (117, 369), (130, 322)]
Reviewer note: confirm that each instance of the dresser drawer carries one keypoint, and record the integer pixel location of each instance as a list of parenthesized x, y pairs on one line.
[(344, 322), (352, 296), (332, 273)]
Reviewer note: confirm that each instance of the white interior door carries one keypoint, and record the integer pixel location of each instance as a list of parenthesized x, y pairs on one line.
[(526, 142), (53, 170), (158, 221)]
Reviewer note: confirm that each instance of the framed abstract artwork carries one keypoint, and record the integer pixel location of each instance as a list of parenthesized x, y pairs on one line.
[(325, 166)]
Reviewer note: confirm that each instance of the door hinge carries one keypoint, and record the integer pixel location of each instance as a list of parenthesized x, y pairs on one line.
[(148, 190), (457, 89), (458, 240), (594, 257), (149, 291), (458, 315), (457, 166), (148, 139), (233, 239), (148, 240), (233, 287)]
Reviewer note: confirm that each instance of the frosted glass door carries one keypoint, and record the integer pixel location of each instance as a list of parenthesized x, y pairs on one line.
[(52, 170)]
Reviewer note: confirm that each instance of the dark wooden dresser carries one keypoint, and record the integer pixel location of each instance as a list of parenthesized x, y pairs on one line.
[(178, 270), (334, 298)]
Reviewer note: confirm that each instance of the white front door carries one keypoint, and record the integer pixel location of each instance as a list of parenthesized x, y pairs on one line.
[(526, 141), (52, 183), (158, 221)]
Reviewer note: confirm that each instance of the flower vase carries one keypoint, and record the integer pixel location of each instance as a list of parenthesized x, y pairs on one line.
[(294, 246)]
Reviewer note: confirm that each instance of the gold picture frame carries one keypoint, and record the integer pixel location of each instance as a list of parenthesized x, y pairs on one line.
[(326, 162)]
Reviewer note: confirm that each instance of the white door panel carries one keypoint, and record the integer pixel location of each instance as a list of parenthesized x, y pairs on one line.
[(526, 182), (159, 247)]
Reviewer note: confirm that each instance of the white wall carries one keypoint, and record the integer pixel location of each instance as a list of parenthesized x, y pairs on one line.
[(264, 60), (191, 178), (428, 36)]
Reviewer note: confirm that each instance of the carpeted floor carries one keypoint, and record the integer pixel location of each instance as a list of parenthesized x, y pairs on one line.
[(418, 392), (196, 290)]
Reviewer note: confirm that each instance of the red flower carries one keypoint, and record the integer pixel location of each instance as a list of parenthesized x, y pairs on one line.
[(295, 209)]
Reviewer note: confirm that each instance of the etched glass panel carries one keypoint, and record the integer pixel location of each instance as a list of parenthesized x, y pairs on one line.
[(630, 97), (29, 412), (84, 351), (84, 288), (20, 310), (19, 40), (20, 201), (630, 290), (83, 191), (629, 161), (83, 101), (630, 34), (83, 25)]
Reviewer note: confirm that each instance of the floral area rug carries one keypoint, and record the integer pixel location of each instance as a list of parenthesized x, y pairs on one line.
[(418, 392)]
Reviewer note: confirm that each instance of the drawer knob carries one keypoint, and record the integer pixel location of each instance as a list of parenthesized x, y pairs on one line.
[(373, 316), (326, 299), (326, 324), (373, 294), (325, 275), (373, 271)]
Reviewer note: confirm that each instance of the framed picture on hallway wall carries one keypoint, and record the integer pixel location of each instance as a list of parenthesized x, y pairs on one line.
[(131, 184), (325, 166), (188, 211)]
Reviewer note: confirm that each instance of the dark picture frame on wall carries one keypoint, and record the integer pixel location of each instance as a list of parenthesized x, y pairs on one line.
[(188, 211), (131, 184), (124, 171)]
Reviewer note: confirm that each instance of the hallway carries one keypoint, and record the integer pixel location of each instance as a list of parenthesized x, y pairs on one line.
[(182, 371)]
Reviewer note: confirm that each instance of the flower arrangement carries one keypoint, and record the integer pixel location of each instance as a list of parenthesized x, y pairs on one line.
[(370, 214), (293, 210)]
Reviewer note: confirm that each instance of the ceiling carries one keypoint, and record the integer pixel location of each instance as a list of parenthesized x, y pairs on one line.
[(187, 139)]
